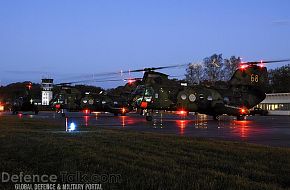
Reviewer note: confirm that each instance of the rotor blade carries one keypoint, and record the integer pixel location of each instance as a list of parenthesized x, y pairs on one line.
[(154, 68), (88, 81), (259, 62), (93, 76), (132, 79)]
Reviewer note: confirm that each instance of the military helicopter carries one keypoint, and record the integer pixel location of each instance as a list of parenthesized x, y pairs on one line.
[(244, 90), (103, 102), (70, 99), (25, 103)]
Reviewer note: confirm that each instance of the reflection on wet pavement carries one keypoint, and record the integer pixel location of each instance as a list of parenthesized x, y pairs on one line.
[(271, 130)]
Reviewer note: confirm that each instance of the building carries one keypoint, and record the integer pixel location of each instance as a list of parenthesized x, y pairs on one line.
[(46, 93), (276, 104)]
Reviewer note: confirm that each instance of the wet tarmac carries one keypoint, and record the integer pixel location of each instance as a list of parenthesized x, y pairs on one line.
[(266, 130)]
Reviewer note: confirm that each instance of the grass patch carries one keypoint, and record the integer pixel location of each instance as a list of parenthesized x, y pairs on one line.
[(144, 160)]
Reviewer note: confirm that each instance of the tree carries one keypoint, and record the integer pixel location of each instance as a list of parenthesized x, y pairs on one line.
[(194, 73), (279, 79), (230, 66), (214, 68)]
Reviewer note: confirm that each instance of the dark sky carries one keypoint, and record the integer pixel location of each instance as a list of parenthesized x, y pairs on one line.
[(63, 38)]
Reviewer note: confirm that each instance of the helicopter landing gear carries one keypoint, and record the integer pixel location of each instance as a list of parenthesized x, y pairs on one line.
[(149, 115), (62, 112), (36, 111), (149, 118), (241, 118), (216, 117)]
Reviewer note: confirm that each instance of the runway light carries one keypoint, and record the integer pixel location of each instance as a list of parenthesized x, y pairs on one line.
[(123, 110), (72, 127)]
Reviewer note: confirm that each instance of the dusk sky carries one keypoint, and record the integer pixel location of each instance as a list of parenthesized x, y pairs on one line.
[(63, 38)]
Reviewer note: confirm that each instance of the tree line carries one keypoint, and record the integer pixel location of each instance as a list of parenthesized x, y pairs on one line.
[(279, 80), (212, 69)]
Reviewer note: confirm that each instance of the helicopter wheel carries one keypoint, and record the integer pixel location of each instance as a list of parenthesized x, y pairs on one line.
[(216, 117), (240, 118), (149, 118)]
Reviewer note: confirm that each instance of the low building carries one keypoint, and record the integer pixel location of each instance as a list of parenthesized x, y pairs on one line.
[(276, 104)]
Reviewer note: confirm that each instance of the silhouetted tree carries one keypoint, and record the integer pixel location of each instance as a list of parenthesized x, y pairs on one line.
[(194, 73), (230, 66), (279, 79), (214, 68)]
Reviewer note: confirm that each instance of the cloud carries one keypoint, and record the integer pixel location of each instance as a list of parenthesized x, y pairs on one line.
[(284, 22)]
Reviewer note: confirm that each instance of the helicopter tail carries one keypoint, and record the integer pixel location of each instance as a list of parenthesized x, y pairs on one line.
[(254, 76)]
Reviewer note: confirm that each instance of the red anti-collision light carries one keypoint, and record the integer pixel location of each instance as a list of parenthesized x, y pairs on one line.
[(244, 111), (144, 105), (243, 66), (182, 112)]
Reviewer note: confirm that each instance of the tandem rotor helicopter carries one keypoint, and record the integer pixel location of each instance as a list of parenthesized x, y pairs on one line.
[(243, 91), (71, 99)]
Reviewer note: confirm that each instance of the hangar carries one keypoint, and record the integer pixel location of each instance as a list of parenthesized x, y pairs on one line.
[(276, 104)]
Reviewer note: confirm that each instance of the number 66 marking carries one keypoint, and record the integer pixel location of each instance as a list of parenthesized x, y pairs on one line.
[(254, 78)]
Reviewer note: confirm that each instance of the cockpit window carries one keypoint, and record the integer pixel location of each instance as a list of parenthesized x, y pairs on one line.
[(149, 91), (139, 90)]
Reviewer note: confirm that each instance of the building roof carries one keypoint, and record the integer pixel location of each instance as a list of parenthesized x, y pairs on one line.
[(277, 98)]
